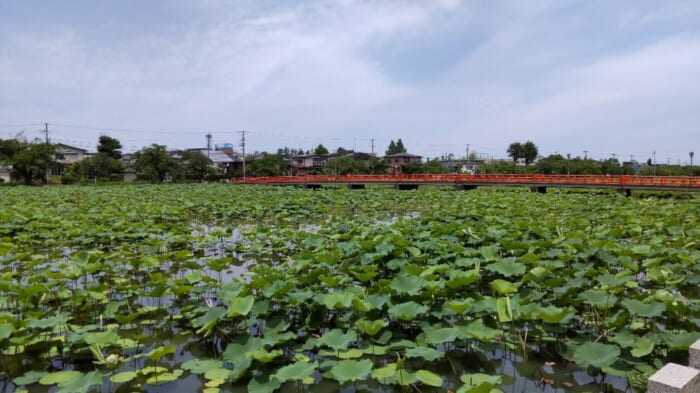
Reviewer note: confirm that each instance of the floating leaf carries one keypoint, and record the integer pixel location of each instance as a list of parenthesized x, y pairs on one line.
[(646, 310), (297, 371), (429, 378), (426, 353), (338, 339), (439, 336), (59, 377), (370, 327), (407, 311), (201, 366), (123, 377), (596, 354), (351, 370)]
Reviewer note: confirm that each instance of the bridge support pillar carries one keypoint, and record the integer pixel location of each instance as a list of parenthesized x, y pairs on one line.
[(356, 186), (465, 187), (539, 189), (406, 186), (625, 191), (313, 186)]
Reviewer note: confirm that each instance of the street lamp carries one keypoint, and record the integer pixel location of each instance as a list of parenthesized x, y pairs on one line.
[(691, 154), (568, 158)]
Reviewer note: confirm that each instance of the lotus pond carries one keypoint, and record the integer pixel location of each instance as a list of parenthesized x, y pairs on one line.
[(222, 288)]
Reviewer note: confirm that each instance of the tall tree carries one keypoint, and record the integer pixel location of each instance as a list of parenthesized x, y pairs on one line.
[(399, 147), (154, 162), (391, 149), (515, 150), (320, 150), (109, 147), (529, 152), (268, 165), (395, 147)]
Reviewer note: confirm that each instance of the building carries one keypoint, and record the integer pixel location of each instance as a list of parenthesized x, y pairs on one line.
[(395, 162), (70, 154), (307, 164), (227, 163)]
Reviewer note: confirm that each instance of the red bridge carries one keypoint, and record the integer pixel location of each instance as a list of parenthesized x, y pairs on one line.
[(536, 182)]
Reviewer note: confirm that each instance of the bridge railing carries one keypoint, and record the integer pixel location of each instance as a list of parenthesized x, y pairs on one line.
[(609, 180)]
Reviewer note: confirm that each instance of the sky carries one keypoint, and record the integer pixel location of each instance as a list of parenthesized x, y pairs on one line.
[(595, 78)]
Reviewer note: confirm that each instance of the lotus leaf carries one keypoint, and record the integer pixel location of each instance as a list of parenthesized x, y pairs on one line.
[(596, 354), (351, 370)]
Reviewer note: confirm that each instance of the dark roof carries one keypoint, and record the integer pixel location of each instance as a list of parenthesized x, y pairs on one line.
[(64, 146)]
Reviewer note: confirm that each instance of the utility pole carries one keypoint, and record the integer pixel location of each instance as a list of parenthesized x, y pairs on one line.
[(243, 151), (46, 132), (614, 156), (654, 162), (467, 157), (208, 144), (372, 146), (691, 154), (585, 154)]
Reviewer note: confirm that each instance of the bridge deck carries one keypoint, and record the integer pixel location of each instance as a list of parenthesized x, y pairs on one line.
[(683, 183)]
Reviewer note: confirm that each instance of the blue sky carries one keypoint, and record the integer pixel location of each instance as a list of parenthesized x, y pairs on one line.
[(618, 77)]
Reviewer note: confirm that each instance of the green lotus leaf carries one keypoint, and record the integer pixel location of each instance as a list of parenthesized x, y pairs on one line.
[(263, 384), (503, 307), (552, 314), (441, 335), (297, 371), (407, 311), (406, 284), (478, 331), (371, 327), (59, 377), (642, 347), (217, 373), (163, 378), (102, 338), (646, 310), (385, 372), (201, 366), (81, 383), (123, 377), (6, 330), (596, 354), (504, 287), (457, 278), (240, 306), (337, 339), (338, 300), (680, 341), (459, 306), (429, 378), (29, 377), (159, 352), (507, 267), (351, 370), (264, 356), (598, 298), (427, 353)]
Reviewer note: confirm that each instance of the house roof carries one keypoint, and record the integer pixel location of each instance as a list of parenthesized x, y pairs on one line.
[(68, 147), (402, 155)]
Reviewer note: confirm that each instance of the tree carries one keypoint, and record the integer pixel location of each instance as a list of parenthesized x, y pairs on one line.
[(33, 161), (320, 150), (515, 150), (376, 166), (109, 147), (554, 164), (268, 165), (196, 166), (155, 163), (346, 165), (395, 148), (529, 152), (434, 166)]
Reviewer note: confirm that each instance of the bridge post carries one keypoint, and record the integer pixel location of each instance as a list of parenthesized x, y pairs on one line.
[(402, 186), (356, 186), (465, 187), (539, 189), (625, 191)]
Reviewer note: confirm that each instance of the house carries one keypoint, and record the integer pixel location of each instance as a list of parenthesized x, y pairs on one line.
[(396, 161), (307, 164), (70, 154), (5, 174), (226, 162)]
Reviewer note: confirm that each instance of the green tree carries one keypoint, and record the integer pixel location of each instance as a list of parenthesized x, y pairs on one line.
[(109, 147), (377, 166), (346, 165), (155, 163), (320, 150), (196, 166), (554, 164), (33, 161), (268, 165), (434, 166), (395, 147), (529, 152), (611, 166), (515, 151), (8, 149)]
